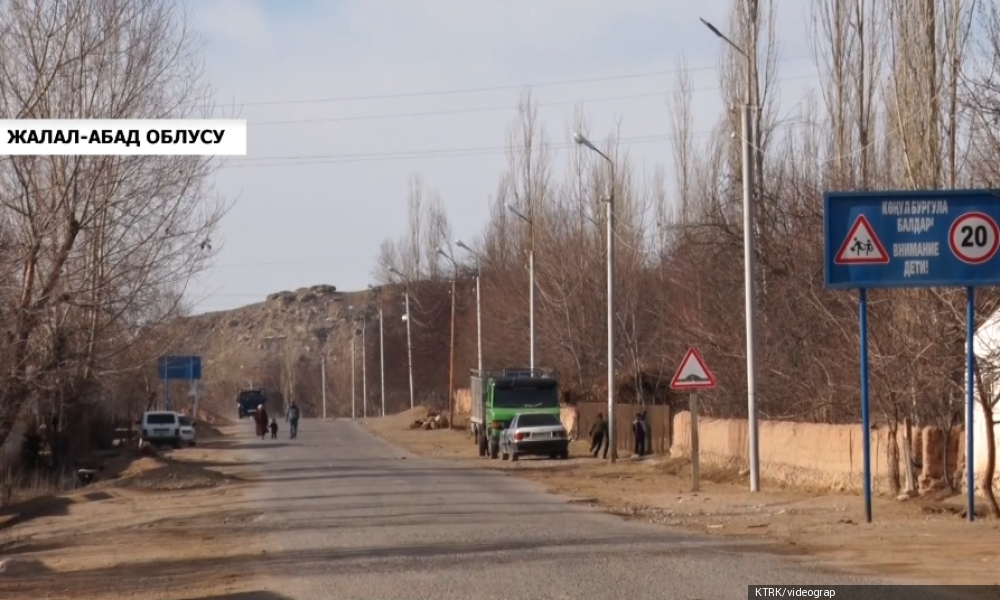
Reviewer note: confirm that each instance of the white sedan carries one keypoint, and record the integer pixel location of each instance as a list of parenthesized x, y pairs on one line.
[(538, 434), (187, 431)]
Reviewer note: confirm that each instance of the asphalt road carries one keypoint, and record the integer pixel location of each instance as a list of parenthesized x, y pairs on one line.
[(346, 515)]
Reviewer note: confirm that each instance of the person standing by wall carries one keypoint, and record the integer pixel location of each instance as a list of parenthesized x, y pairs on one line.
[(599, 436)]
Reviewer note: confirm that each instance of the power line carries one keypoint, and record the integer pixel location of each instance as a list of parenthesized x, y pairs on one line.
[(507, 107), (327, 159), (493, 88)]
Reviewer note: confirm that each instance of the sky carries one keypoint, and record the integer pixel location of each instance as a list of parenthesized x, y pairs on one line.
[(330, 89)]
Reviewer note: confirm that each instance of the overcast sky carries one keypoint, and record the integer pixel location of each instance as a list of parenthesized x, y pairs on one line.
[(315, 198)]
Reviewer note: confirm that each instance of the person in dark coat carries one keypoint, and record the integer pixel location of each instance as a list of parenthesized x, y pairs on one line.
[(639, 431), (599, 436)]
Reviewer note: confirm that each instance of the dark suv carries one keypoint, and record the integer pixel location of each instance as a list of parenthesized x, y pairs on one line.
[(248, 401)]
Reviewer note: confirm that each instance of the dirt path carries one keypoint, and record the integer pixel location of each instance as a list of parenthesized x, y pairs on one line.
[(105, 540), (918, 539)]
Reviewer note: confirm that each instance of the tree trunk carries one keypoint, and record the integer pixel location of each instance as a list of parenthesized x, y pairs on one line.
[(892, 450), (991, 450)]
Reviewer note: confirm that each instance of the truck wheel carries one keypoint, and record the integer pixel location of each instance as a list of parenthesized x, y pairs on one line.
[(481, 440), (494, 449)]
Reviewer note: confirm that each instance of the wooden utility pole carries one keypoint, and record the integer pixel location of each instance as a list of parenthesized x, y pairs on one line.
[(451, 360)]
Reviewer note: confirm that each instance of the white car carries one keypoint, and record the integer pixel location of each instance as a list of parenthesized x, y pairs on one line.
[(187, 430), (538, 434), (161, 427)]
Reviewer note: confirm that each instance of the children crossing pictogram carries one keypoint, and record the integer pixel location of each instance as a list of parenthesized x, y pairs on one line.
[(862, 246)]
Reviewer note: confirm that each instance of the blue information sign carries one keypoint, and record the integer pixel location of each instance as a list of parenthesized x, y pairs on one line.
[(912, 239), (179, 367)]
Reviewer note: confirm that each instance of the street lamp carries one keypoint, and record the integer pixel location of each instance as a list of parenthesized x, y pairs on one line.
[(531, 280), (610, 200), (381, 349), (749, 260), (406, 317), (451, 358), (354, 368), (479, 306), (364, 366)]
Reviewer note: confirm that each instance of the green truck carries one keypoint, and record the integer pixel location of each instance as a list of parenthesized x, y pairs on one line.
[(498, 397)]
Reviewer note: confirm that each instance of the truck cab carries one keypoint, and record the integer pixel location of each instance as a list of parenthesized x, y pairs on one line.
[(498, 397)]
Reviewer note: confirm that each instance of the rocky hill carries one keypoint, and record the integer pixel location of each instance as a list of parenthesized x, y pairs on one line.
[(283, 341)]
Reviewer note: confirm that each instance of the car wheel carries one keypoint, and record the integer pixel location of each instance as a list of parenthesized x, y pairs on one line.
[(504, 455), (553, 456), (193, 444), (514, 456), (494, 450), (564, 455)]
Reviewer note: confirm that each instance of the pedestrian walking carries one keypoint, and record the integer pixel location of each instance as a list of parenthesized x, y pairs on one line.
[(599, 436), (292, 418), (274, 429), (261, 421)]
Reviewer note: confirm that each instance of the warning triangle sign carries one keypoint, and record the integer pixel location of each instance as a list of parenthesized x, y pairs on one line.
[(861, 246), (693, 374)]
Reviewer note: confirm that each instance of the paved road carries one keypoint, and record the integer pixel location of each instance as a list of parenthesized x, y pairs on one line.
[(346, 516)]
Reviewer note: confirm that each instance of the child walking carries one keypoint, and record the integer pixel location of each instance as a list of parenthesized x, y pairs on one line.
[(274, 429)]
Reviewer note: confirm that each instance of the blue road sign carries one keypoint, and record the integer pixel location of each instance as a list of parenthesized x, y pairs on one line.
[(911, 239), (179, 367)]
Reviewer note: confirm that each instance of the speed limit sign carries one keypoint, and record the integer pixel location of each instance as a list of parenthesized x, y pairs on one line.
[(974, 238)]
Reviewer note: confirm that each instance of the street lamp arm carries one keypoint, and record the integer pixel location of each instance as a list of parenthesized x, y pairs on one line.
[(715, 30)]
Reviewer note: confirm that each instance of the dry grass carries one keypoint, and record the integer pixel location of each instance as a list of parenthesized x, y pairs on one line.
[(907, 539)]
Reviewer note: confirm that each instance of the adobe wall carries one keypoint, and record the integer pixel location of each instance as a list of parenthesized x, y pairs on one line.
[(800, 454)]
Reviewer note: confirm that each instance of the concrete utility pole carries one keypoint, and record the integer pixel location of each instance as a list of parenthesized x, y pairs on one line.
[(354, 368), (749, 263), (451, 351), (364, 369), (610, 200), (381, 358), (479, 302), (406, 317), (531, 280), (323, 375)]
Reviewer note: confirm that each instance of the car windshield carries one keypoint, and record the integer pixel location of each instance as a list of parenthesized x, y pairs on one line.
[(543, 420), (161, 418), (185, 420), (526, 397)]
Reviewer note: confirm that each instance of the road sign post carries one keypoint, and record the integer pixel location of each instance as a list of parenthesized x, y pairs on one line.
[(183, 368), (693, 375), (913, 239)]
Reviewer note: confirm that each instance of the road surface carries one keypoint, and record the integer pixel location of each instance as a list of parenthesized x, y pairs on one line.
[(346, 515)]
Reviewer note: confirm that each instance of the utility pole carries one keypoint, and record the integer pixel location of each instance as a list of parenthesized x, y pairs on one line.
[(409, 346), (610, 200), (749, 262), (381, 360), (323, 375), (364, 369), (451, 360), (354, 368)]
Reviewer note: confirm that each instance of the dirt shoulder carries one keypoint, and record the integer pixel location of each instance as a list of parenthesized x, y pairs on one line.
[(920, 539), (129, 534)]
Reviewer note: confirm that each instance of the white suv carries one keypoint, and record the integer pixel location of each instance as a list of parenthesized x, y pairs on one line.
[(161, 427)]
